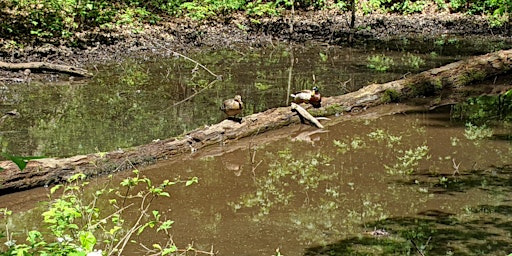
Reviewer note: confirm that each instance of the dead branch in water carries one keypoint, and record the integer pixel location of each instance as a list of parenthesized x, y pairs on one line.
[(305, 114), (46, 66), (218, 77)]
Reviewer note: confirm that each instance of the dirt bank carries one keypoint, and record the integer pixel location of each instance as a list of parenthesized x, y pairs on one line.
[(184, 35)]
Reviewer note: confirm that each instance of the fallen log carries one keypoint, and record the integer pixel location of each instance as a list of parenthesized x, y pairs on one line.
[(451, 77), (46, 66)]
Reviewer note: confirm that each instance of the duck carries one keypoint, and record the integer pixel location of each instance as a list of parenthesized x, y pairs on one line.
[(312, 97), (232, 107)]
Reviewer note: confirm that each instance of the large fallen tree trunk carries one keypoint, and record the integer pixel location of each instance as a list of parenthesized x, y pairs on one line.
[(54, 170), (46, 66)]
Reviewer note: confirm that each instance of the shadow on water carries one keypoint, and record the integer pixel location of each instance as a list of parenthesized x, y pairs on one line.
[(482, 229)]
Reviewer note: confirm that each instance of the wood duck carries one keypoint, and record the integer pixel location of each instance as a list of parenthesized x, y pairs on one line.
[(312, 97), (232, 107)]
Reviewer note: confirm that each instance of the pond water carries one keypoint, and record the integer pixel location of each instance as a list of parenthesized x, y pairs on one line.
[(366, 185), (153, 97)]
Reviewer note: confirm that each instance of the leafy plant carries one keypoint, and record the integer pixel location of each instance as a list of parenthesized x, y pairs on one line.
[(477, 133), (409, 160), (76, 223), (413, 61), (272, 188), (380, 62)]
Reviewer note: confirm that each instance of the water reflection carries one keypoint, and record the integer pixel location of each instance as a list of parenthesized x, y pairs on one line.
[(361, 188), (140, 100), (301, 197)]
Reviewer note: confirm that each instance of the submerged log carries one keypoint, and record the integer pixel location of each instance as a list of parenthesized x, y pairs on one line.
[(46, 66), (451, 77)]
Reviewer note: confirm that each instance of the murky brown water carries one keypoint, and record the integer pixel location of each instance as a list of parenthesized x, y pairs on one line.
[(323, 193)]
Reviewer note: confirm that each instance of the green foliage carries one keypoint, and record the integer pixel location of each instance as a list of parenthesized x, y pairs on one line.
[(199, 10), (413, 61), (21, 161), (485, 109), (380, 62), (323, 56), (390, 96), (410, 159), (273, 189), (76, 221), (477, 133), (259, 8), (407, 159)]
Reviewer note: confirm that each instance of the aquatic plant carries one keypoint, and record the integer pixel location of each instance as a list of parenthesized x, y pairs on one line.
[(409, 160), (477, 133), (273, 189), (380, 62), (413, 61)]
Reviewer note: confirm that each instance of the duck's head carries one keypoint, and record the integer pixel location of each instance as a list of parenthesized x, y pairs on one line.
[(315, 89), (238, 98)]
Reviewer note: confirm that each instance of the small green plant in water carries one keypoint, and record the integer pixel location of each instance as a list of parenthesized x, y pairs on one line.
[(413, 61), (477, 133), (273, 189), (380, 62), (409, 160)]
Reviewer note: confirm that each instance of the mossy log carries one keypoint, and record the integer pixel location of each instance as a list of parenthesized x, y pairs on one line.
[(46, 66), (49, 171)]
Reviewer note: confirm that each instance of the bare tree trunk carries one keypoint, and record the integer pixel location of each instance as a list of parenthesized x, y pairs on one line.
[(352, 21)]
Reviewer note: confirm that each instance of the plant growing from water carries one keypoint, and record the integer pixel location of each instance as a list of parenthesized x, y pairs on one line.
[(380, 62), (477, 133), (413, 61), (408, 162), (273, 189)]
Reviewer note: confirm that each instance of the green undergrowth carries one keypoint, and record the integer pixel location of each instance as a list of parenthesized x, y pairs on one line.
[(61, 21)]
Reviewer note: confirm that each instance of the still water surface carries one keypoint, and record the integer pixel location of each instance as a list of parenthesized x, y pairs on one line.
[(414, 176), (153, 97)]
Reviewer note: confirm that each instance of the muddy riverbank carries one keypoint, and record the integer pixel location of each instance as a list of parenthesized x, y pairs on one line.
[(239, 32)]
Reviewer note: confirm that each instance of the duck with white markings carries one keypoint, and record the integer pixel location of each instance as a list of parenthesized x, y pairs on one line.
[(312, 97)]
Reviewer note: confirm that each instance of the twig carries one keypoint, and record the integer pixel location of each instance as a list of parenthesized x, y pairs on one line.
[(196, 93), (417, 248), (218, 77), (455, 167)]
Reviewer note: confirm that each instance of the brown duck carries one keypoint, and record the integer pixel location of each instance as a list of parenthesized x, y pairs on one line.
[(312, 97), (232, 107)]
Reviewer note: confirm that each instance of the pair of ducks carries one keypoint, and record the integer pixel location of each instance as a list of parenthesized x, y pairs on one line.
[(233, 107)]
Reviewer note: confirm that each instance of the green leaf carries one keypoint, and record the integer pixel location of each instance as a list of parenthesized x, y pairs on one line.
[(166, 225), (21, 161), (87, 240), (191, 181)]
